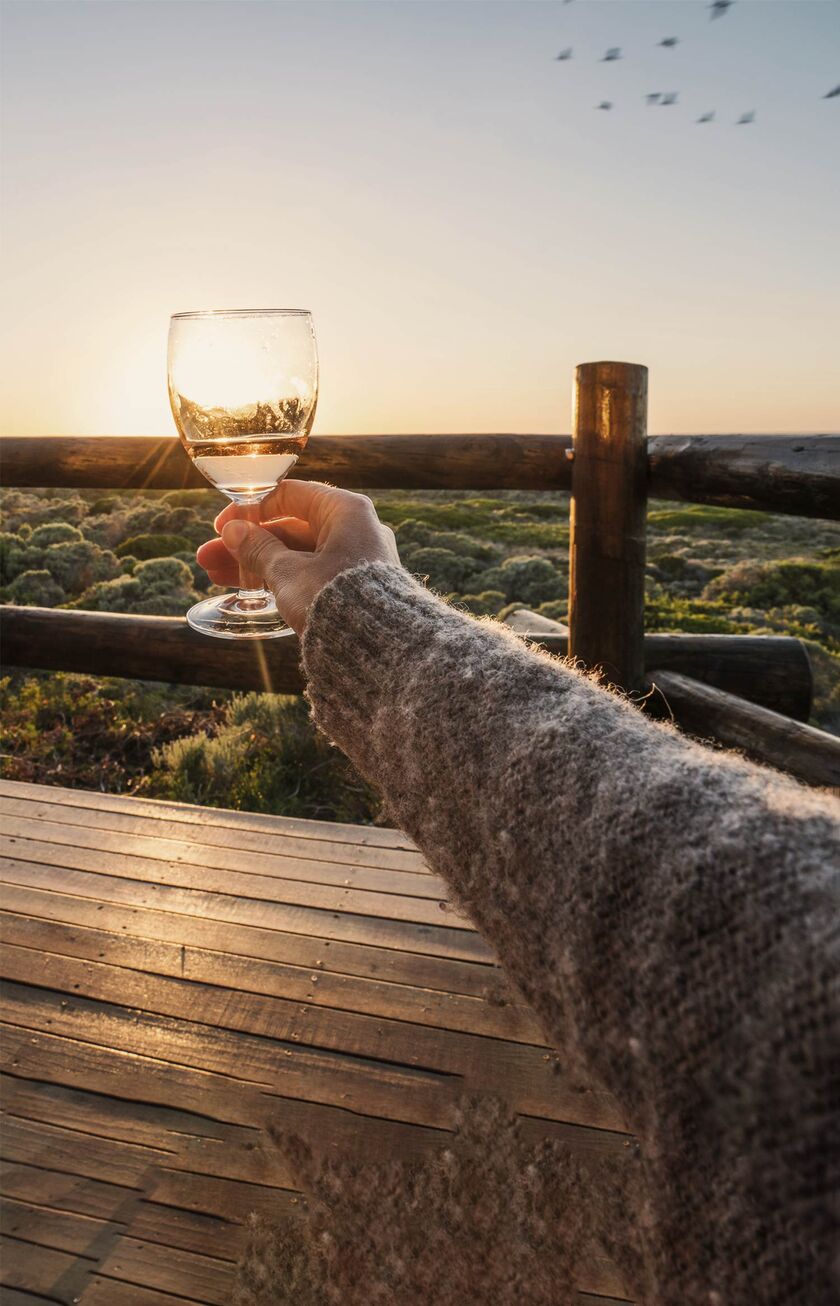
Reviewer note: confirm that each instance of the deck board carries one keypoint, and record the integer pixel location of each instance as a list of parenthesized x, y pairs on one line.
[(176, 978)]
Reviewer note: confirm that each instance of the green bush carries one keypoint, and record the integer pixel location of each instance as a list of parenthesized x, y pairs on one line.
[(35, 589), (160, 587), (413, 534), (153, 546), (79, 564), (527, 580), (807, 583), (446, 570), (265, 757), (73, 564), (485, 604), (59, 532), (700, 517)]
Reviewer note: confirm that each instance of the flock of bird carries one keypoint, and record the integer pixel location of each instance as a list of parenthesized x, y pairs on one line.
[(664, 98)]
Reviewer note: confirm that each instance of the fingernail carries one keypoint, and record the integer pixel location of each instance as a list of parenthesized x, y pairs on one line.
[(235, 533)]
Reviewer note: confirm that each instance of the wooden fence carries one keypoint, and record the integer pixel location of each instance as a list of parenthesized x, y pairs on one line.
[(749, 692)]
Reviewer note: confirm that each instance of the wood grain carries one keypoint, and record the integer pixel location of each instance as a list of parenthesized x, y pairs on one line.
[(163, 1003), (608, 522), (774, 473), (771, 670), (708, 713)]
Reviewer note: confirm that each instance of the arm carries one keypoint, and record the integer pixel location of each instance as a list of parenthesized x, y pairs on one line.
[(669, 912)]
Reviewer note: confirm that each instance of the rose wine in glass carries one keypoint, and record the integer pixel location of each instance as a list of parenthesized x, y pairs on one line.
[(243, 386)]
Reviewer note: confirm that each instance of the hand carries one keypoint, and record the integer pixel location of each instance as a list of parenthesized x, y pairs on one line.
[(311, 533)]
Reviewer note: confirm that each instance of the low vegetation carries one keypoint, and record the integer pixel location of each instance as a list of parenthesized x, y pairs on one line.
[(709, 569)]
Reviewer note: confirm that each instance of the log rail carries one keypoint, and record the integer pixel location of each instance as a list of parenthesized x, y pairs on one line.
[(739, 690), (771, 473)]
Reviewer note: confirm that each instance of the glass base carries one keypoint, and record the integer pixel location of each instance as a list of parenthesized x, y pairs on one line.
[(227, 616)]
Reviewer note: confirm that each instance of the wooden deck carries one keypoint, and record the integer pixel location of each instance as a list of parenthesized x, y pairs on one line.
[(177, 976)]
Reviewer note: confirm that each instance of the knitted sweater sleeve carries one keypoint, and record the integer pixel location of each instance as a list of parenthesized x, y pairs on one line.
[(670, 912)]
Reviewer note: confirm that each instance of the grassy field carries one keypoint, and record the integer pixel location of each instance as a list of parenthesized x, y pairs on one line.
[(709, 569)]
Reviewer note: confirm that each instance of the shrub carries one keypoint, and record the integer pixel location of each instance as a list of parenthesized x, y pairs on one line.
[(777, 584), (446, 570), (413, 534), (200, 579), (202, 500), (35, 589), (153, 546), (266, 757), (555, 609), (11, 553), (529, 580), (701, 517), (92, 733), (173, 521), (59, 532), (485, 604), (79, 564), (160, 587)]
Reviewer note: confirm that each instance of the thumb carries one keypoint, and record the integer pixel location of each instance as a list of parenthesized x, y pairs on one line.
[(256, 550)]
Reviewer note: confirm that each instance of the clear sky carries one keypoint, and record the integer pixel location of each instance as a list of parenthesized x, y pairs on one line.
[(465, 225)]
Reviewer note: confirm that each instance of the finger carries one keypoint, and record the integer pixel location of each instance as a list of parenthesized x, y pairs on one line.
[(309, 500), (222, 567), (258, 551)]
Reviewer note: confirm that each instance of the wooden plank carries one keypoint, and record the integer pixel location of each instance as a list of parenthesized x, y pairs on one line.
[(311, 858), (66, 1231), (150, 1124), (65, 1192), (365, 836), (244, 974), (192, 1230), (39, 1144), (530, 1078), (103, 1291), (375, 1088), (481, 981), (459, 944), (194, 866), (57, 1276), (18, 1297), (207, 1278), (63, 1061), (813, 756), (289, 1071), (608, 522)]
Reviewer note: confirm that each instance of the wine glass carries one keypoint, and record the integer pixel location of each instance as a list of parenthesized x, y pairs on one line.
[(243, 386)]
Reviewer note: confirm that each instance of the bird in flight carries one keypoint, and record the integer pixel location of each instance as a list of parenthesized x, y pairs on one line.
[(832, 94), (719, 7), (563, 55), (670, 98), (654, 97), (746, 118), (612, 54), (669, 42), (605, 104), (707, 117)]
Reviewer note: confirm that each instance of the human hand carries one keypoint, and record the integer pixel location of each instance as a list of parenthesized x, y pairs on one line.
[(311, 533)]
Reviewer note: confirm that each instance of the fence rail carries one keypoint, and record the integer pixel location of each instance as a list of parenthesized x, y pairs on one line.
[(772, 671), (737, 689), (771, 473)]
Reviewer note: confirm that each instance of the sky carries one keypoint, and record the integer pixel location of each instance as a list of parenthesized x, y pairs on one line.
[(464, 223)]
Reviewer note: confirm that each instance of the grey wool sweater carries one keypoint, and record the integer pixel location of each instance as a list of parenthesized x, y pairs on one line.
[(670, 912)]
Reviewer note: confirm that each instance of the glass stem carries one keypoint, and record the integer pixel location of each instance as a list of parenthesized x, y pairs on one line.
[(252, 591)]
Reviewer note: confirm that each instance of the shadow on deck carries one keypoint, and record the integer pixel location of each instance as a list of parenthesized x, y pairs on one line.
[(178, 976)]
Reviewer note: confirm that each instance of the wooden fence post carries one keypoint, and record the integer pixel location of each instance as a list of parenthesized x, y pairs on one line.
[(609, 507)]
